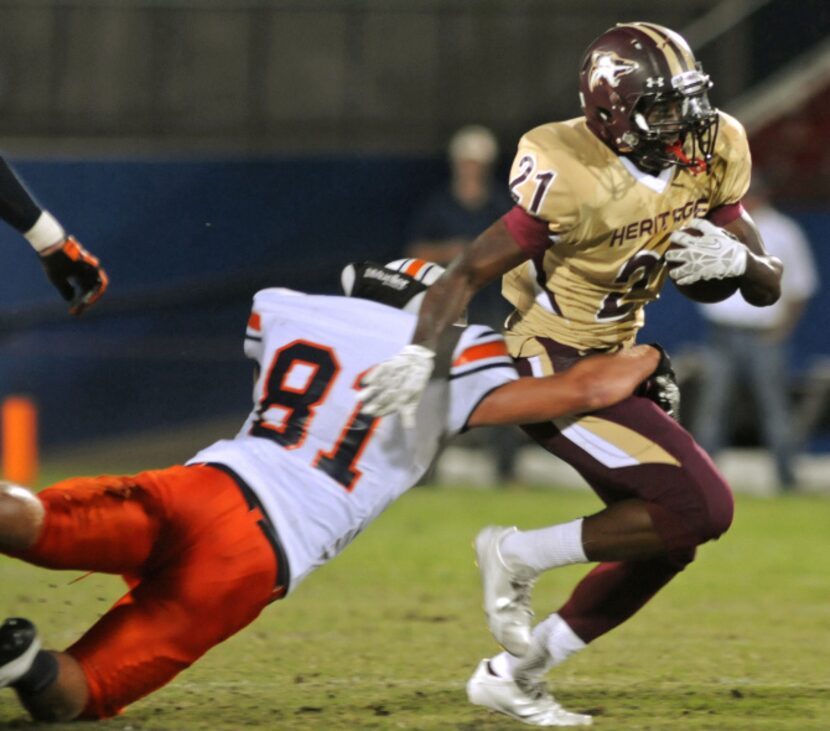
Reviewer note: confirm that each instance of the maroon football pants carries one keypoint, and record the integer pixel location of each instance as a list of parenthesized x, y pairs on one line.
[(634, 450)]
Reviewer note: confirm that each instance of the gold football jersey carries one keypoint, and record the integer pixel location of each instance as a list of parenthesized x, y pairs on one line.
[(609, 226)]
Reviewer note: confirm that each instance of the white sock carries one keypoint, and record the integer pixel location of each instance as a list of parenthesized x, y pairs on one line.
[(546, 548), (552, 642)]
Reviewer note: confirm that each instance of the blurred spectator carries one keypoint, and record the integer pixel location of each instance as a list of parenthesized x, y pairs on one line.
[(458, 211), (452, 216), (749, 345)]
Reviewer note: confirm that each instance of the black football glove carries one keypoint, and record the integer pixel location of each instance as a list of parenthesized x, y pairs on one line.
[(661, 386), (76, 274)]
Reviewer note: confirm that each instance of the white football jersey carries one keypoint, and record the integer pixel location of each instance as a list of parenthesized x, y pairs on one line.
[(322, 470)]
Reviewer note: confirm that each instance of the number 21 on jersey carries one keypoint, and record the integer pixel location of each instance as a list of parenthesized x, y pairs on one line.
[(299, 380), (541, 183)]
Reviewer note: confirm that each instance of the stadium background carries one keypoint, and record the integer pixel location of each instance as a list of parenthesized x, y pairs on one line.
[(203, 149)]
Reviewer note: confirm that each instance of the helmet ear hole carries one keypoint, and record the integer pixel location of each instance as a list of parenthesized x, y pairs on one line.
[(604, 114)]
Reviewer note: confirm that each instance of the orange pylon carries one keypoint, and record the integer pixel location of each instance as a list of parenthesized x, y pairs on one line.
[(19, 440)]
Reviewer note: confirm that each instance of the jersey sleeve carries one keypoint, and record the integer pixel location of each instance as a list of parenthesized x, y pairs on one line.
[(539, 180), (253, 336), (267, 303), (734, 151), (480, 364)]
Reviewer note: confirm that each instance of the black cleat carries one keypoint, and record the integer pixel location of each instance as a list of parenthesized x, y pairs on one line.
[(19, 644)]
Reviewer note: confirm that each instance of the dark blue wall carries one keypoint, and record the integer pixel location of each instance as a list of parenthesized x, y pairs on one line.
[(186, 244), (176, 221)]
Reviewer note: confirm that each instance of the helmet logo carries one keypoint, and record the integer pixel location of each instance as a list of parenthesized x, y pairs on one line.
[(653, 81), (607, 66)]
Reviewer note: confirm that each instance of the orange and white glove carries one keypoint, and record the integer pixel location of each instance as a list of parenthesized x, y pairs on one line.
[(76, 274)]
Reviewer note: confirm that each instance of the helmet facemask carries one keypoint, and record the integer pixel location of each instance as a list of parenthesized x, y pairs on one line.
[(678, 128)]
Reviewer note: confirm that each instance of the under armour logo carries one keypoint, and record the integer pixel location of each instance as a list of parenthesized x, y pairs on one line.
[(653, 81), (607, 66)]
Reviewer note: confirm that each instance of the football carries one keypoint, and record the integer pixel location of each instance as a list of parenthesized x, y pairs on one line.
[(706, 290), (709, 290)]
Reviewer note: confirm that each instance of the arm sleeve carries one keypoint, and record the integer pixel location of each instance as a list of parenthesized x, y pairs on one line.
[(17, 207), (529, 232), (723, 215), (253, 337)]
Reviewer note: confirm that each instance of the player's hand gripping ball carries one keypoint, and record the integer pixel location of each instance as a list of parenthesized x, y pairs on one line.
[(706, 261)]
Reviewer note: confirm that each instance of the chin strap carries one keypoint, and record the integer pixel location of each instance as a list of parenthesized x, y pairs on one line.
[(695, 167)]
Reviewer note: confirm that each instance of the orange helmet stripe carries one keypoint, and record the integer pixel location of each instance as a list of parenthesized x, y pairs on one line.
[(414, 267)]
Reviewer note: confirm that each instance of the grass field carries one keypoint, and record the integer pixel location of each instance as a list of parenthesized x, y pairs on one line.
[(386, 636)]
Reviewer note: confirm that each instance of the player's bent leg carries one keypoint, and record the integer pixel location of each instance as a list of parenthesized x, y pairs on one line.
[(21, 518), (622, 531), (647, 469), (219, 572), (634, 452), (84, 521), (613, 592), (686, 506), (161, 628), (50, 685)]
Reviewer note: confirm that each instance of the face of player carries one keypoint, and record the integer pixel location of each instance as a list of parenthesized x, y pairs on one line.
[(666, 124), (672, 117), (667, 116)]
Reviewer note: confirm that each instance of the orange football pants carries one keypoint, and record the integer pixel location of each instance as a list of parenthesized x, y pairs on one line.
[(192, 550)]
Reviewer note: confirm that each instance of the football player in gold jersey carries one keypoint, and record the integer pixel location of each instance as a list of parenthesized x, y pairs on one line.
[(600, 200)]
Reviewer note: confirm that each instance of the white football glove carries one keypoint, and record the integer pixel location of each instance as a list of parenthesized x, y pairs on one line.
[(717, 254), (396, 384)]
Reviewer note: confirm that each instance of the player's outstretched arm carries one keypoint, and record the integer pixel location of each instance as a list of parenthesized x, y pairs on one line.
[(593, 383), (491, 254), (396, 384)]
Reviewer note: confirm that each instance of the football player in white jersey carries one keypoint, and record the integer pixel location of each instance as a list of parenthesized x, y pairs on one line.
[(210, 544), (602, 202), (75, 273)]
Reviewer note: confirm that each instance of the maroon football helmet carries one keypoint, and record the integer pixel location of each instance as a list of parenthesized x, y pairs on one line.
[(644, 95)]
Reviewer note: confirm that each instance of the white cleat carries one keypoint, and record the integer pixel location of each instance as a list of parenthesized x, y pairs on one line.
[(528, 702), (506, 592)]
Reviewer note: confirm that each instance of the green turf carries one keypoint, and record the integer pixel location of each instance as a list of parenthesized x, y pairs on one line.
[(386, 636)]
